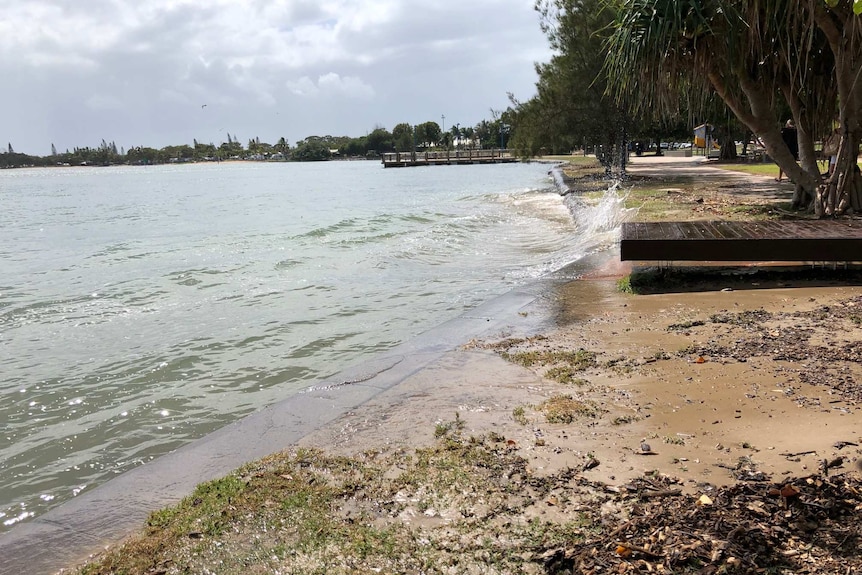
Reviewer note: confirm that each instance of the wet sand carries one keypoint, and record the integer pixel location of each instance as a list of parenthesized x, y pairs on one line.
[(706, 419)]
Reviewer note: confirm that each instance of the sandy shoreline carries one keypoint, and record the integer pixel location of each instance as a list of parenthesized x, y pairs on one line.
[(699, 418), (715, 396)]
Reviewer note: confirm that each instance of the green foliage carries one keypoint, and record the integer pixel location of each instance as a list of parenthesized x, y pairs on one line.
[(857, 5), (519, 415), (624, 284), (766, 60), (571, 108), (311, 151), (443, 429), (403, 137), (428, 134), (380, 141)]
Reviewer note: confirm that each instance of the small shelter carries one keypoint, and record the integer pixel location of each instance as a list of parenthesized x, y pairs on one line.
[(704, 140), (703, 136)]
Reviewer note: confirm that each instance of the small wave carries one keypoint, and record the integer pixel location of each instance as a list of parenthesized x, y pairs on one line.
[(111, 250), (288, 264), (324, 231), (356, 231), (191, 277)]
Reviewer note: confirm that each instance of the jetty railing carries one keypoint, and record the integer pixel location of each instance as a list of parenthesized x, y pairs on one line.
[(447, 157)]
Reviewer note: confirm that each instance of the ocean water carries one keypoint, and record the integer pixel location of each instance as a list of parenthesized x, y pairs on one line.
[(143, 307)]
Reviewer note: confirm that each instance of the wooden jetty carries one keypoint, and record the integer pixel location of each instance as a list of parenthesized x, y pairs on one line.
[(723, 241), (447, 158)]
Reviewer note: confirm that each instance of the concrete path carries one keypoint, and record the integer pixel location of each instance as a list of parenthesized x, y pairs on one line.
[(706, 172)]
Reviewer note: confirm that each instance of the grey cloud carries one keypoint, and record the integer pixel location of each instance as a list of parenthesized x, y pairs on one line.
[(138, 73)]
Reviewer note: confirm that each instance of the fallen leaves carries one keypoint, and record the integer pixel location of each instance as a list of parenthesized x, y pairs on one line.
[(749, 527)]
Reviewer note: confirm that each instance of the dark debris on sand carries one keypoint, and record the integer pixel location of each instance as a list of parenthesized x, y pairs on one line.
[(807, 345), (803, 525)]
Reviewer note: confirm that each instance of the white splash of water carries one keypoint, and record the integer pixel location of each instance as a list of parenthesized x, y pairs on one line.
[(600, 218)]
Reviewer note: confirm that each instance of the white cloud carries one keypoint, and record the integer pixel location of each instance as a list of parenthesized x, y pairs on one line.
[(152, 62), (333, 85), (303, 87)]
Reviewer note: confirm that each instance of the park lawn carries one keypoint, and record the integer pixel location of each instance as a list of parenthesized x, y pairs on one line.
[(575, 160), (760, 168)]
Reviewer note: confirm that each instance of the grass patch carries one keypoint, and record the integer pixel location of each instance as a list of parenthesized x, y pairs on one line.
[(579, 360), (624, 285), (575, 161), (566, 409), (519, 414), (754, 168), (567, 375), (443, 429), (621, 364), (656, 204), (772, 211), (465, 504)]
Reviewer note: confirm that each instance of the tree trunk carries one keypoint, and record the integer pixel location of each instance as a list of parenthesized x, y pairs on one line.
[(727, 143), (841, 190), (804, 131), (841, 27), (759, 116)]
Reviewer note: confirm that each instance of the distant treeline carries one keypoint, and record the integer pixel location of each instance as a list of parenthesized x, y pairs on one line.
[(404, 137)]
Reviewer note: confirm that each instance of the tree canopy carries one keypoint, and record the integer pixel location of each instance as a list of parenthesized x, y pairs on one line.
[(571, 107), (760, 57), (404, 137), (631, 69)]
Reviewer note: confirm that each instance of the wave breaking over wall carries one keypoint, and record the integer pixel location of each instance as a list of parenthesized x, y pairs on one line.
[(598, 218)]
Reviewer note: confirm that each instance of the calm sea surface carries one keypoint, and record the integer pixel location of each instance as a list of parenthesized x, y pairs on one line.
[(141, 308)]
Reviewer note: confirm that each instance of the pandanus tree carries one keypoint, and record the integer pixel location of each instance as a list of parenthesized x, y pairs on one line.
[(753, 54), (841, 24)]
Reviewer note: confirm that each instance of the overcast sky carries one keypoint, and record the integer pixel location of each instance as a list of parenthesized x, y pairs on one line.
[(160, 72)]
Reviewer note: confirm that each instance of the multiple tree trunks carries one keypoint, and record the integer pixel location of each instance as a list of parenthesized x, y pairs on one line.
[(835, 197), (784, 241)]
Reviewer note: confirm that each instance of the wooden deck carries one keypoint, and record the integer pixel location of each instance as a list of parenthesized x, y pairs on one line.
[(721, 241), (447, 158)]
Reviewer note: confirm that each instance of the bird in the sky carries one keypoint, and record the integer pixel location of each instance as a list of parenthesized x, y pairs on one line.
[(203, 106)]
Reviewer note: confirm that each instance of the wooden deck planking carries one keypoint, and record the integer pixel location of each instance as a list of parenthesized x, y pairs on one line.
[(719, 231), (821, 240)]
